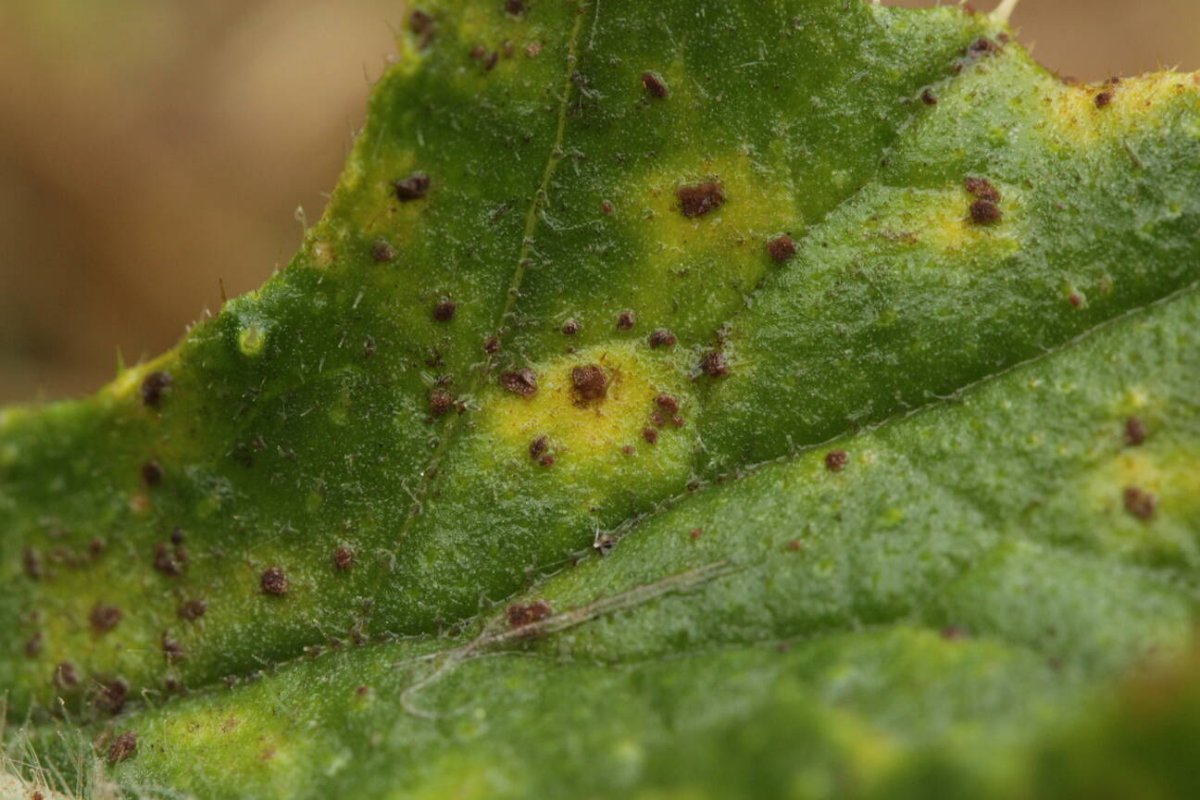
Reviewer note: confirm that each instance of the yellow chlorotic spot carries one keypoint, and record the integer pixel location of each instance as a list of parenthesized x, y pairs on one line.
[(609, 423), (941, 219), (252, 339), (1086, 113)]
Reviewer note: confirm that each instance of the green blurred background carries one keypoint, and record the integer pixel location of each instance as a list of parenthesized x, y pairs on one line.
[(151, 149)]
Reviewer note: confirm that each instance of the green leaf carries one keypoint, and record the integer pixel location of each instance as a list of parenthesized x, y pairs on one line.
[(677, 399)]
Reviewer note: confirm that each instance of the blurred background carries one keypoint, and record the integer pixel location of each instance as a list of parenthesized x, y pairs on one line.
[(153, 149)]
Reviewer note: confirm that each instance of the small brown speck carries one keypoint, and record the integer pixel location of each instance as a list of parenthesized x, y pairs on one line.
[(154, 387), (369, 347), (650, 435), (96, 546), (667, 402), (795, 545), (626, 320), (653, 83), (152, 473), (781, 248), (589, 383), (1139, 502), (982, 46), (177, 535), (414, 187), (606, 207), (172, 649), (491, 345), (104, 617), (111, 696), (699, 199), (514, 7), (382, 252), (420, 22), (982, 188), (533, 49), (953, 633), (1075, 299), (570, 327), (662, 338), (628, 449), (274, 582), (836, 460), (1135, 431), (695, 533), (714, 364), (929, 98), (521, 615), (193, 610), (521, 382), (343, 558), (1104, 99), (167, 561), (363, 691), (539, 446), (33, 645), (123, 748), (440, 401), (985, 212), (444, 311), (66, 675), (546, 460)]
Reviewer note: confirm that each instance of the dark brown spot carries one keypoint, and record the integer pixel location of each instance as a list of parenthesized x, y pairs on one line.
[(539, 446), (521, 615), (982, 188), (440, 401), (626, 320), (490, 62), (1139, 502), (589, 383), (650, 435), (795, 545), (546, 460), (274, 582), (985, 212), (193, 610), (382, 252), (66, 675), (570, 327), (662, 338), (167, 559), (606, 207), (104, 617), (1104, 99), (658, 419), (929, 98), (699, 199), (695, 533), (154, 387), (369, 347), (33, 645), (1135, 431), (781, 248), (362, 691), (522, 382), (982, 46), (628, 449), (668, 403), (152, 473), (343, 558), (1075, 299), (123, 748), (444, 311), (420, 22), (514, 7), (96, 546), (414, 187), (491, 345), (31, 562), (714, 364), (171, 647), (653, 83), (111, 696), (836, 460)]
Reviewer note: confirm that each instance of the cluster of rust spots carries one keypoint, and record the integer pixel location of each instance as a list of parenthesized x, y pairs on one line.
[(193, 610), (985, 210), (781, 249), (836, 460), (699, 199), (666, 406), (570, 327), (714, 364), (103, 617), (1140, 503), (170, 559), (654, 85), (343, 558), (539, 451), (662, 338), (522, 382), (414, 187), (123, 747), (444, 310), (589, 384), (382, 252), (626, 320), (421, 25), (487, 58), (1135, 431), (274, 582), (154, 387), (521, 615)]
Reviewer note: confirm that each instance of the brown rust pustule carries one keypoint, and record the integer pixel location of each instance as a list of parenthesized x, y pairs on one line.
[(714, 364), (570, 327), (104, 617), (274, 582), (781, 248), (154, 387), (1135, 431), (662, 338), (514, 7), (444, 310), (1139, 502), (589, 384), (538, 447), (668, 403), (982, 189), (654, 85), (521, 382), (985, 212), (343, 558), (521, 615), (626, 320), (193, 610), (152, 473), (928, 97), (440, 401), (699, 199), (66, 675), (123, 748), (1104, 99), (382, 252), (650, 435), (836, 460), (414, 187)]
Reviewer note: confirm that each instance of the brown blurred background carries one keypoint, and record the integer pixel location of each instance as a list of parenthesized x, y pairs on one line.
[(149, 148)]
